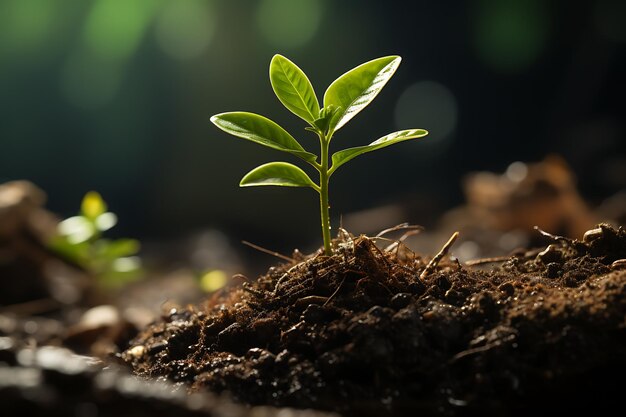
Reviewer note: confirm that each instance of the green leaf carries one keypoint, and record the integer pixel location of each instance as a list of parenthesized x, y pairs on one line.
[(261, 130), (114, 249), (357, 88), (75, 252), (120, 272), (293, 88), (77, 229), (345, 155), (281, 174), (105, 221)]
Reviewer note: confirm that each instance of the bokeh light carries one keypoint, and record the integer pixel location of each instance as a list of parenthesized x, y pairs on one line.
[(432, 106), (517, 171), (213, 280), (509, 35), (114, 28), (26, 25), (112, 33), (184, 28), (289, 23)]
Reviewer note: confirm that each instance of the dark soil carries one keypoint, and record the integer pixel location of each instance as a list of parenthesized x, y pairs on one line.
[(362, 334), (51, 381)]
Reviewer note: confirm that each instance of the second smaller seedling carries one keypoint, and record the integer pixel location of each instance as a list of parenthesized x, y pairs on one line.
[(80, 240)]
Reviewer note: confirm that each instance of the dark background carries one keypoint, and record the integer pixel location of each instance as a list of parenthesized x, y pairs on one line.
[(116, 95)]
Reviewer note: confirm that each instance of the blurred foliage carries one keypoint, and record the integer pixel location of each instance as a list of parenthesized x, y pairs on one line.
[(80, 240)]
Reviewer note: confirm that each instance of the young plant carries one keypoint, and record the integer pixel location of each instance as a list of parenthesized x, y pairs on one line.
[(343, 99), (79, 239)]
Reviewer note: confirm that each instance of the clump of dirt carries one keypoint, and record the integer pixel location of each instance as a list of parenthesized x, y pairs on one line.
[(364, 334)]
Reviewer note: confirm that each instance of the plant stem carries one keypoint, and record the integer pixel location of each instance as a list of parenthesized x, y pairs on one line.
[(324, 206)]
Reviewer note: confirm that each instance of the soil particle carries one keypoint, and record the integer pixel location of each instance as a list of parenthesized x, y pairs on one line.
[(362, 334)]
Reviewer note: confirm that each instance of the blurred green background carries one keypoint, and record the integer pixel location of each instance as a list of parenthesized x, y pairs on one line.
[(116, 95)]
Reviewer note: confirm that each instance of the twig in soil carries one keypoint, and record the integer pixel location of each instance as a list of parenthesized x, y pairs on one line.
[(334, 292), (252, 291), (382, 255), (530, 254), (458, 264), (435, 261), (396, 244), (285, 276), (282, 279), (491, 260), (556, 238), (346, 240), (311, 299), (481, 349), (269, 252), (401, 226), (241, 276), (619, 264)]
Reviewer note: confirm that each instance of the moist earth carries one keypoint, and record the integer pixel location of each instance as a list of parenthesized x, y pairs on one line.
[(366, 332)]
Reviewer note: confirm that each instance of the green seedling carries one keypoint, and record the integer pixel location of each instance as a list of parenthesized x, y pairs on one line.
[(80, 240), (343, 99)]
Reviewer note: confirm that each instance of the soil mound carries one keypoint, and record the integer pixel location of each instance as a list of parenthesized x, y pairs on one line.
[(366, 332)]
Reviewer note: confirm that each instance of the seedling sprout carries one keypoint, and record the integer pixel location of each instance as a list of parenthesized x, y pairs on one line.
[(344, 98)]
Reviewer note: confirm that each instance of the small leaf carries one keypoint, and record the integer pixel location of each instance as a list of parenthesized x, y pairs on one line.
[(277, 173), (345, 155), (327, 115), (261, 130), (293, 88), (105, 221), (126, 264), (92, 205), (120, 272), (76, 229), (117, 248), (76, 252), (357, 88)]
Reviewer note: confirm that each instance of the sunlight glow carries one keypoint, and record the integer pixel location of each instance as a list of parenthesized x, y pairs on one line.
[(114, 28), (112, 34), (26, 24), (184, 28), (289, 23), (432, 106)]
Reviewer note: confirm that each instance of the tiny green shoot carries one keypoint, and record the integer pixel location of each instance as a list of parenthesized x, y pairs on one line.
[(80, 240), (344, 98)]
